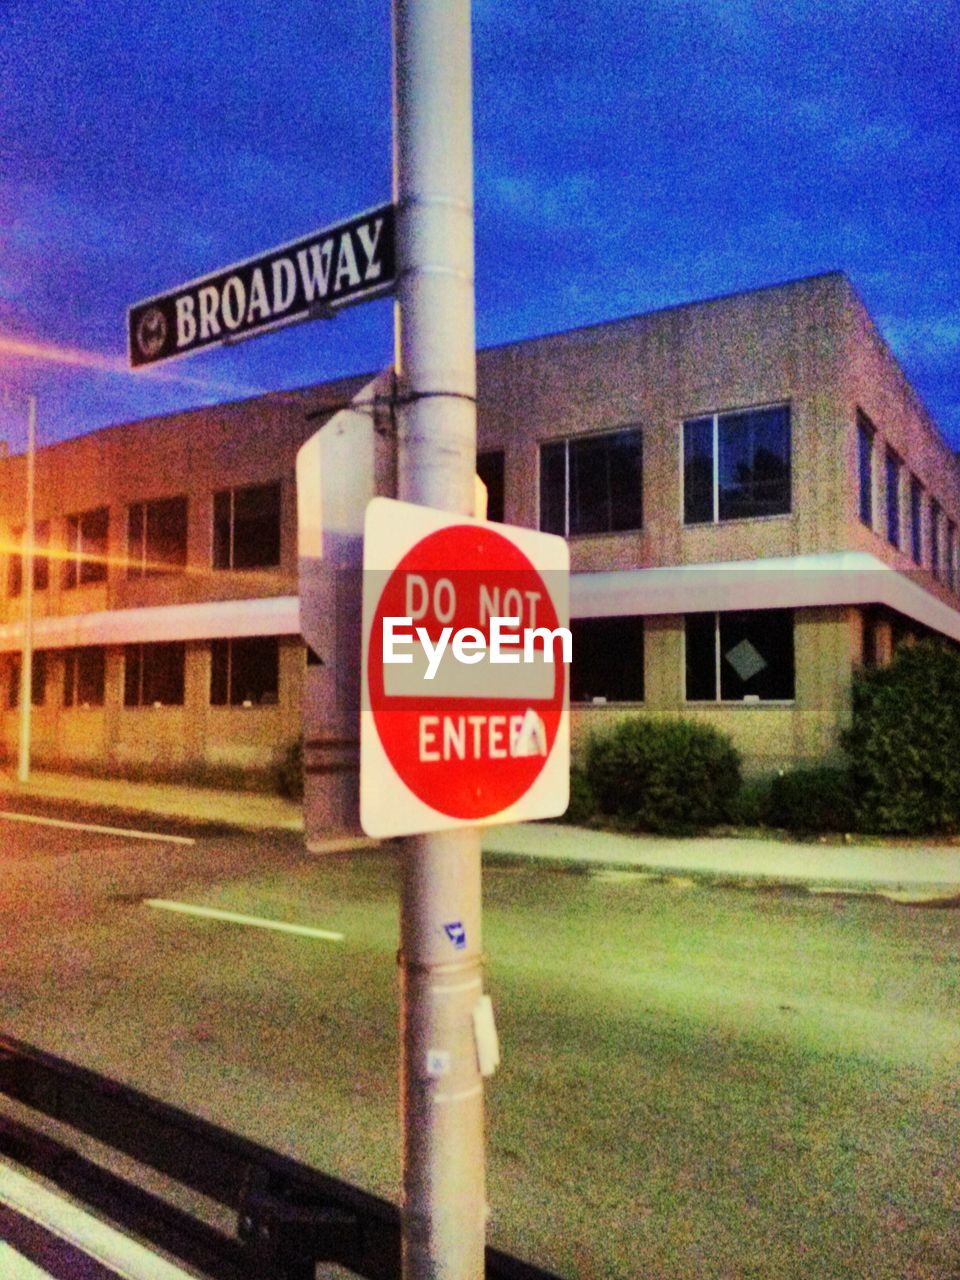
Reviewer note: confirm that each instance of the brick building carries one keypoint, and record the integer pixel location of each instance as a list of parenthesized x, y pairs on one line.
[(755, 498)]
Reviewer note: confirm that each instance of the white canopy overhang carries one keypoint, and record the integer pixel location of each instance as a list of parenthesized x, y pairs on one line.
[(789, 582), (216, 619)]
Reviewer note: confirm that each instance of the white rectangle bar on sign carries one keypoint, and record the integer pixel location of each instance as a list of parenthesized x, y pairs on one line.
[(529, 681)]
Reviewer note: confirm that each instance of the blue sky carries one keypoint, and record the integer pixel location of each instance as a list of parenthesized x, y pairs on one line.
[(628, 156)]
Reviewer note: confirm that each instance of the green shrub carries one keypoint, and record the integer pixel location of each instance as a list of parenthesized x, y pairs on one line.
[(664, 775), (583, 803), (819, 798), (751, 807), (904, 742), (290, 772)]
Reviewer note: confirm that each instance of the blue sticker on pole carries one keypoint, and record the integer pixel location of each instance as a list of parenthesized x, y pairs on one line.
[(456, 933)]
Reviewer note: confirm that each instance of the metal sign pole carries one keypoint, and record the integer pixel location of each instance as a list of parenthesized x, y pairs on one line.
[(444, 1203), (26, 660)]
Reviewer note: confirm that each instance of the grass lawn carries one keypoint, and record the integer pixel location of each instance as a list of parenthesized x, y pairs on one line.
[(709, 1083), (697, 1081)]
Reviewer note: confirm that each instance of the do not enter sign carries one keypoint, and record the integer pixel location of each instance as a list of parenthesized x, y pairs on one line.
[(465, 690)]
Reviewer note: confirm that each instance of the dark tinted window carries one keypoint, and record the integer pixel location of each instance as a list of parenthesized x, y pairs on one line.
[(490, 469), (865, 435), (553, 487), (83, 677), (700, 652), (38, 679), (916, 526), (245, 672), (246, 527), (893, 499), (41, 559), (85, 561), (750, 474), (153, 673), (698, 471), (935, 538), (756, 655), (593, 484), (755, 650), (607, 659), (754, 463), (157, 537)]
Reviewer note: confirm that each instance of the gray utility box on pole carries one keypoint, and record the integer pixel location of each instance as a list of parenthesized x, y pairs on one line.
[(351, 459)]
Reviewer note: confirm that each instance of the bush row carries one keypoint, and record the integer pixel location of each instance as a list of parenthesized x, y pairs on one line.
[(900, 773)]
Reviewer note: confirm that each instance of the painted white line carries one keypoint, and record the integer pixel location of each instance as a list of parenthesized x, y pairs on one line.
[(94, 827), (232, 917), (67, 1220)]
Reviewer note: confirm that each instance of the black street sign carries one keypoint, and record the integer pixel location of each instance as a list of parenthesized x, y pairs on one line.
[(346, 263)]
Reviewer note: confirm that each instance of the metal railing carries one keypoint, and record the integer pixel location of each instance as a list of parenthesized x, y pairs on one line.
[(289, 1217)]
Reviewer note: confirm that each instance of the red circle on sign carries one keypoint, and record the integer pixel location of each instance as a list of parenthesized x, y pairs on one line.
[(467, 756)]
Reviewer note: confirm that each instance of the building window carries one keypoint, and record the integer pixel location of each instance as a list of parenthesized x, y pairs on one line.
[(246, 527), (935, 538), (893, 499), (607, 660), (156, 537), (593, 484), (740, 657), (246, 672), (153, 675), (86, 553), (83, 677), (736, 466), (41, 560), (916, 520), (865, 434), (38, 679), (951, 555), (490, 470)]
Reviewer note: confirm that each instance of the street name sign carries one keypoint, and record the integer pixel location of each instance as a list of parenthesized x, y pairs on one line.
[(464, 701), (320, 274)]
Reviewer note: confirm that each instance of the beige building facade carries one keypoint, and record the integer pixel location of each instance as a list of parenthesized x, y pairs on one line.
[(756, 501)]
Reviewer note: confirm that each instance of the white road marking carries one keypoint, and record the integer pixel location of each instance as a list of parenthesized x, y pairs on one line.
[(232, 917), (94, 827)]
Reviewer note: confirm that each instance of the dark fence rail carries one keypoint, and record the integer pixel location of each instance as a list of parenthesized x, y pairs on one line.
[(289, 1217)]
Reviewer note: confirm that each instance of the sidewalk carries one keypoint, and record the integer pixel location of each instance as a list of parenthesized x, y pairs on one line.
[(912, 871), (915, 871), (251, 811)]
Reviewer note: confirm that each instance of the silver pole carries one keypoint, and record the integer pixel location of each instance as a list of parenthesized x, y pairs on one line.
[(26, 661), (444, 1201)]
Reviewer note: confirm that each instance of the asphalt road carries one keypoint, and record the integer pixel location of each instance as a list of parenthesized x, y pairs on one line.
[(696, 1081), (270, 1033)]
